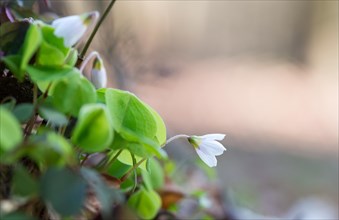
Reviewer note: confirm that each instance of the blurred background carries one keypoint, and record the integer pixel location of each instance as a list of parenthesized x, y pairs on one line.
[(263, 72)]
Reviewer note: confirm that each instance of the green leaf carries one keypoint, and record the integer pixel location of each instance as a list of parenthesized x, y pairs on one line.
[(23, 184), (10, 131), (93, 131), (13, 64), (71, 93), (141, 145), (23, 112), (53, 116), (52, 39), (72, 57), (16, 216), (161, 127), (137, 144), (8, 103), (146, 203), (50, 55), (154, 179), (126, 158), (32, 42), (64, 189), (101, 95), (49, 149), (49, 74), (127, 111), (118, 169), (133, 122)]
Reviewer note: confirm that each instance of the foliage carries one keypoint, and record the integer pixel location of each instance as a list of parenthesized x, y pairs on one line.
[(73, 143)]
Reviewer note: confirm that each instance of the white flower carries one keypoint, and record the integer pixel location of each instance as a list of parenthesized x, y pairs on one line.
[(207, 147), (72, 28), (98, 73)]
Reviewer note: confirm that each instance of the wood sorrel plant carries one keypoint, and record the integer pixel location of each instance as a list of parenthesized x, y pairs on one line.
[(76, 141)]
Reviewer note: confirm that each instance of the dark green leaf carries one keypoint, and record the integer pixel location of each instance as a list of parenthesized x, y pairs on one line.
[(16, 216), (12, 35), (53, 116), (64, 189), (106, 195), (10, 131), (50, 148), (13, 64), (23, 184), (23, 112), (9, 103), (93, 131)]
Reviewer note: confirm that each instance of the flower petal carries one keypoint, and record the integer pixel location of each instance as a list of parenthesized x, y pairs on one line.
[(70, 28), (217, 137), (212, 147), (99, 78), (210, 160)]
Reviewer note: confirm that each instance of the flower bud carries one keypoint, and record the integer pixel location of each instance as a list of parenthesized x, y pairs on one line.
[(72, 28), (98, 73)]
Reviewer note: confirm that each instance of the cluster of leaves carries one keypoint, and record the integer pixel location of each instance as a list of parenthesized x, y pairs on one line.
[(74, 148), (78, 140)]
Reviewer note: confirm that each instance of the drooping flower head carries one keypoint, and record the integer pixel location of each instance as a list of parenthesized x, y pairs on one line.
[(72, 28), (98, 73), (208, 147)]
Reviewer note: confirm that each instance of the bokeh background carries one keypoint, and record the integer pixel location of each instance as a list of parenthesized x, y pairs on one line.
[(263, 72)]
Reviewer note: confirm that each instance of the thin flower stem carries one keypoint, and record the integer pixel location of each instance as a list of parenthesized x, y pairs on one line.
[(89, 41), (124, 177), (135, 174), (83, 160), (112, 159), (88, 58), (176, 137), (63, 128)]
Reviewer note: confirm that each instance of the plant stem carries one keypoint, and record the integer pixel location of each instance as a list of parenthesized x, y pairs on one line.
[(83, 160), (88, 58), (31, 122), (124, 177), (135, 174), (29, 126), (176, 137), (111, 160), (89, 41)]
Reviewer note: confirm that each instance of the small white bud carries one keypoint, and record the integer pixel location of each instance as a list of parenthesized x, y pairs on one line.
[(98, 73)]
